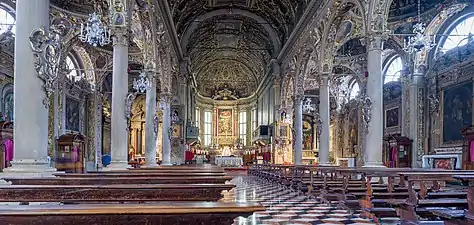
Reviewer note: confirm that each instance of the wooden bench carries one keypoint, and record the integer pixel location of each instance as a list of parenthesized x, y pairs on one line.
[(113, 193), (67, 180), (137, 174), (423, 203), (128, 214)]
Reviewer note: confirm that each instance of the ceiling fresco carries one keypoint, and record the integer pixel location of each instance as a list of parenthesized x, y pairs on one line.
[(230, 42)]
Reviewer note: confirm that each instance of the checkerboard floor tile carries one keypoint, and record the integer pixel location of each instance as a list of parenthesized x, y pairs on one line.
[(286, 207)]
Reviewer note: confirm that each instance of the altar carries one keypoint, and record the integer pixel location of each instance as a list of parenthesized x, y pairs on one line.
[(229, 161), (444, 158)]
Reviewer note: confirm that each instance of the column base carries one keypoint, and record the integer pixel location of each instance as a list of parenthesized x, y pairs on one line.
[(166, 164), (29, 168), (117, 165), (325, 164)]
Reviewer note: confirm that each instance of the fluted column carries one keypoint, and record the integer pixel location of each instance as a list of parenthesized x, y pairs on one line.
[(166, 145), (31, 115), (374, 134), (119, 125), (324, 140), (150, 125), (298, 122)]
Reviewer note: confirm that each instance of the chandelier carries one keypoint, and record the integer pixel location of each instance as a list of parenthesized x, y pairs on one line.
[(142, 84), (419, 40), (95, 32), (307, 106)]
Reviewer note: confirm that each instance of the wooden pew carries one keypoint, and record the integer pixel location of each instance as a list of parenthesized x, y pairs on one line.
[(165, 213), (138, 174), (451, 216), (118, 180), (420, 204), (113, 193)]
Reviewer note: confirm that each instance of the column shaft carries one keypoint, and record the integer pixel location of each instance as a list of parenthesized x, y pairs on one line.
[(374, 136), (31, 116), (324, 140), (119, 124), (298, 130), (150, 135), (416, 119), (166, 145)]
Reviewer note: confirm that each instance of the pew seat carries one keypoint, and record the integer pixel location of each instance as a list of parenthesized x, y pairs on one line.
[(163, 213), (67, 180), (113, 193)]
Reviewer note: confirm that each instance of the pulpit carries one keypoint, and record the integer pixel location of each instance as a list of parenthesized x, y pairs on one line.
[(6, 139), (397, 151), (70, 153), (468, 148)]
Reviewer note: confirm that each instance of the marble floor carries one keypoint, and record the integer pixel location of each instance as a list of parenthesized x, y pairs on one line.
[(284, 206)]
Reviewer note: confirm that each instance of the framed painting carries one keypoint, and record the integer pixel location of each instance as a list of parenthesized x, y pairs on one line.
[(72, 114), (392, 117), (457, 111), (225, 122)]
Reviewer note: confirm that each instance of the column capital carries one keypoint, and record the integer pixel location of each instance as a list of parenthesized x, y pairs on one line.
[(375, 41), (298, 99), (120, 36)]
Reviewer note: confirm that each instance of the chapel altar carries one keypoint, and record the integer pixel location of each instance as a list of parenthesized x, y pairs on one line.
[(227, 159)]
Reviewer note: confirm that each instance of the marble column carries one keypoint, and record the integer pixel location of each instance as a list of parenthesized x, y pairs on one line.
[(298, 126), (31, 115), (374, 135), (119, 123), (324, 140), (166, 134), (416, 119), (150, 126)]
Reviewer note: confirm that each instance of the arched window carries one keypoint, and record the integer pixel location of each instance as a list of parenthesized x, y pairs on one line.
[(7, 21), (74, 74), (457, 35), (393, 70), (355, 91)]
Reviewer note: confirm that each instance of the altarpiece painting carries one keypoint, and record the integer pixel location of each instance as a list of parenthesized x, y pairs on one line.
[(225, 122), (72, 114), (457, 111)]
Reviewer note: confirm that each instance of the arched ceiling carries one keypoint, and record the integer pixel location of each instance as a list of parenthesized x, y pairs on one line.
[(403, 9), (230, 42)]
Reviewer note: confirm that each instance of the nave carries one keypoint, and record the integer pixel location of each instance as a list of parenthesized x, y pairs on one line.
[(285, 206)]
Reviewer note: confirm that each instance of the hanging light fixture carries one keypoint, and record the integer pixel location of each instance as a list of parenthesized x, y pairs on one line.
[(307, 106), (419, 40), (94, 32), (142, 84)]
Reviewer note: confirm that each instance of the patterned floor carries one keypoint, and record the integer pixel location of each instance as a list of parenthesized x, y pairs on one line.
[(285, 207)]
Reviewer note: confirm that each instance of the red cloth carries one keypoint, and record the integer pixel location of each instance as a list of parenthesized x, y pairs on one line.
[(188, 155), (471, 151), (8, 150)]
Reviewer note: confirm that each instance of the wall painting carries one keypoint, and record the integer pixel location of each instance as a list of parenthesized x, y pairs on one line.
[(225, 122), (392, 117), (457, 111), (72, 114)]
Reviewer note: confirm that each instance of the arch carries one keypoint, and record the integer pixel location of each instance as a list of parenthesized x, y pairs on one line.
[(354, 89), (273, 35), (72, 65), (7, 18), (393, 69), (462, 25)]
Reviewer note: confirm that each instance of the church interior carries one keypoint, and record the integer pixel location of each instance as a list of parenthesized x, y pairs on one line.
[(236, 112)]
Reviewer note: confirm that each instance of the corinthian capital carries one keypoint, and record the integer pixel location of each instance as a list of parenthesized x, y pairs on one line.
[(120, 36)]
